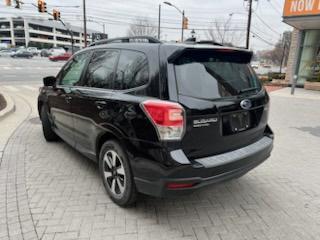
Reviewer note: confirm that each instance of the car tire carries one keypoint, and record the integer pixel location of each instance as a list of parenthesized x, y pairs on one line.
[(116, 174), (48, 133)]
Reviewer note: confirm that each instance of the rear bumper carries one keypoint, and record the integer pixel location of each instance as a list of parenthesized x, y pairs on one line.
[(200, 172)]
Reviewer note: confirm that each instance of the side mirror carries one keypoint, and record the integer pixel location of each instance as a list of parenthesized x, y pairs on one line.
[(49, 81)]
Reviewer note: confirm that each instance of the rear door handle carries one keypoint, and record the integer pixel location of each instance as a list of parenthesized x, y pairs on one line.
[(100, 104)]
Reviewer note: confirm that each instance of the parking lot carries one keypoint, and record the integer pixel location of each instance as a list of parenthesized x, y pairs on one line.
[(49, 191)]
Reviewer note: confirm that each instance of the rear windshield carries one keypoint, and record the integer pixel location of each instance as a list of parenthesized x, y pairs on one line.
[(215, 74)]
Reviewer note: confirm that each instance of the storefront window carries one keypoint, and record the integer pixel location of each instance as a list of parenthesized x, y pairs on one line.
[(309, 67)]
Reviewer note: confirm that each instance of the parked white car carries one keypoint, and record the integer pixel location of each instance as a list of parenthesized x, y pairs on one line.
[(33, 50)]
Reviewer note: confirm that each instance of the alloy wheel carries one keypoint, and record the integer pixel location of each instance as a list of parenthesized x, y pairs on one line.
[(114, 173)]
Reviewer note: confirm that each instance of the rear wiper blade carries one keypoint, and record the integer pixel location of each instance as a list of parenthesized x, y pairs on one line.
[(248, 89)]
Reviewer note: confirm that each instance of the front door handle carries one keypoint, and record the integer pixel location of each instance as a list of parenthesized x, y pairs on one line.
[(68, 99), (100, 104)]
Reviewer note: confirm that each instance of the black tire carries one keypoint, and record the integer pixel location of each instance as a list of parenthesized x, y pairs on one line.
[(129, 193), (48, 133)]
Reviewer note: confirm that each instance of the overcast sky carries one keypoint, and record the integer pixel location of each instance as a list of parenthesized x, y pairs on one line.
[(118, 14)]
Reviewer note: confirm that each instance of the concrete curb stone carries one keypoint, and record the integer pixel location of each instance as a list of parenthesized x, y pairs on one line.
[(10, 108)]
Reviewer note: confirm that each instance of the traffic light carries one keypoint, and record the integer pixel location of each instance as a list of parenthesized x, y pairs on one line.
[(185, 23), (8, 2), (42, 6), (56, 15)]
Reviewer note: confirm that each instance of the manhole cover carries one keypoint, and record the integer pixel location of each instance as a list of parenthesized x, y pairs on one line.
[(35, 120)]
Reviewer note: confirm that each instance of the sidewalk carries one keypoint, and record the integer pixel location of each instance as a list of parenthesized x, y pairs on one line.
[(50, 191), (9, 123), (299, 93)]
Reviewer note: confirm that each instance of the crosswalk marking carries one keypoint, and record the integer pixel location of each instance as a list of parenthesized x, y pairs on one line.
[(19, 88), (28, 68), (30, 88), (11, 88)]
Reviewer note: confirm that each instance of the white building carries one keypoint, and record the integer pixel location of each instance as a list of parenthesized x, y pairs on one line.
[(39, 33)]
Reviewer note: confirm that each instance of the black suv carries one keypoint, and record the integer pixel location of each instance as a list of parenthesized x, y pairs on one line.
[(159, 118)]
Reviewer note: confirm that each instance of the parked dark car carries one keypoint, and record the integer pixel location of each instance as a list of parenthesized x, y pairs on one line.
[(160, 119), (61, 57), (22, 54)]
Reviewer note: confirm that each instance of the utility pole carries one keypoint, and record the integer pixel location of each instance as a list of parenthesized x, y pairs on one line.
[(159, 22), (104, 28), (84, 23), (249, 24), (182, 29)]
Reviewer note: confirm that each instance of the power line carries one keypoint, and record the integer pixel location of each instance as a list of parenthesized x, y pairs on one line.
[(267, 25), (262, 39), (271, 4)]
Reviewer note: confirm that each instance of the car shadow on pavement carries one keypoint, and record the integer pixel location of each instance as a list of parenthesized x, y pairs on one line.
[(315, 131), (225, 195)]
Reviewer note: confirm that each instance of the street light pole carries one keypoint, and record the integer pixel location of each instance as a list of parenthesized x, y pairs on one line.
[(183, 16), (84, 23)]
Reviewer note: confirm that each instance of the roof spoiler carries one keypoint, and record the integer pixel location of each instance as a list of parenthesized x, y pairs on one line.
[(178, 53)]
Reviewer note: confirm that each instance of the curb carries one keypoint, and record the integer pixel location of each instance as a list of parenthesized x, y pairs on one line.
[(10, 108)]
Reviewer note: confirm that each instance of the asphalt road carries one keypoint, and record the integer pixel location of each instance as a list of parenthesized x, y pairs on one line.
[(26, 71)]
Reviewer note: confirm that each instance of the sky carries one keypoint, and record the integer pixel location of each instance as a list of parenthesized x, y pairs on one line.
[(117, 15)]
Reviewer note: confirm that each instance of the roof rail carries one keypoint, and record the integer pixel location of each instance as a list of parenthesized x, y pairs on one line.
[(125, 40), (193, 40), (209, 42)]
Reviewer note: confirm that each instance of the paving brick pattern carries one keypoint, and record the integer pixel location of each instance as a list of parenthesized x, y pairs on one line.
[(49, 191)]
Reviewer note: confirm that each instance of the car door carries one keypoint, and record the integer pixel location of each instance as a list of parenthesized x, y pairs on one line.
[(60, 99), (92, 99)]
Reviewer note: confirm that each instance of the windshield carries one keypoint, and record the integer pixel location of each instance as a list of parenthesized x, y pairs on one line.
[(215, 74)]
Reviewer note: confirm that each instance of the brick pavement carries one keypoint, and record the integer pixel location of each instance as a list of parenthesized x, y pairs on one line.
[(49, 191)]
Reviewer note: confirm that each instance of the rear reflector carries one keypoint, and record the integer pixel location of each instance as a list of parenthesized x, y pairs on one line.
[(167, 117), (179, 185)]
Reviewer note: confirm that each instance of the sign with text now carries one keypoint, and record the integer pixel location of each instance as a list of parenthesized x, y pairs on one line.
[(301, 8)]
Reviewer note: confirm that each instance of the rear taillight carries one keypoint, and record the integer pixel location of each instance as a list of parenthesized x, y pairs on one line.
[(167, 117)]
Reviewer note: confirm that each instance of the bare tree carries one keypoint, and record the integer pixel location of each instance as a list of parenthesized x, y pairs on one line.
[(280, 52), (225, 33), (142, 27)]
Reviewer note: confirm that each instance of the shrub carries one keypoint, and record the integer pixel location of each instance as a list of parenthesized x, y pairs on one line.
[(276, 75)]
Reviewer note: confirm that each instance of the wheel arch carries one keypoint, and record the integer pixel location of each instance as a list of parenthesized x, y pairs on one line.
[(106, 136)]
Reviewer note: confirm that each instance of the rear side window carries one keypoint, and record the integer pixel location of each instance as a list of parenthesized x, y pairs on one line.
[(215, 74), (132, 70), (100, 73)]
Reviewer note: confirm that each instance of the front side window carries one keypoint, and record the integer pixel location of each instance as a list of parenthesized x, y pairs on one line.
[(132, 70), (72, 72), (214, 74), (100, 73)]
